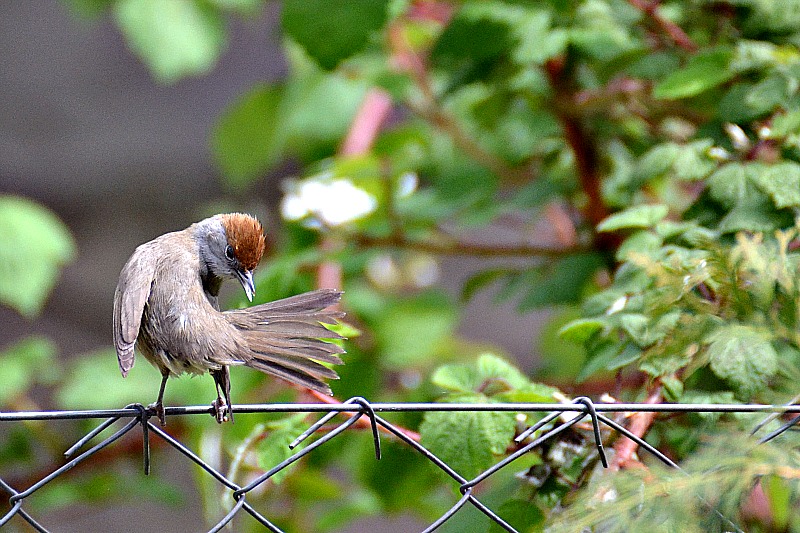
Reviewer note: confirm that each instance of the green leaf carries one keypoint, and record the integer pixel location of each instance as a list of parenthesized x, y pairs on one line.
[(480, 280), (645, 330), (639, 216), (784, 125), (524, 515), (742, 356), (582, 329), (693, 162), (562, 282), (25, 363), (274, 448), (333, 30), (639, 242), (34, 245), (248, 139), (730, 184), (781, 182), (704, 71), (657, 161), (468, 441), (174, 38), (473, 45), (489, 374), (599, 359)]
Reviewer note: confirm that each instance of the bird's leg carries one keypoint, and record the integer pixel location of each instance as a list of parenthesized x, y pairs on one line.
[(223, 410), (159, 403)]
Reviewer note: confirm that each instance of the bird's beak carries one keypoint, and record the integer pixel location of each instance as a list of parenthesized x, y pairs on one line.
[(246, 279)]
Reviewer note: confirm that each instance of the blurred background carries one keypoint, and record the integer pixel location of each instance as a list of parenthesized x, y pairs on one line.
[(523, 202), (121, 159)]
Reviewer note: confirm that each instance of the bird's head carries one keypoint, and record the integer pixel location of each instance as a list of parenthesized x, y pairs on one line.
[(231, 245)]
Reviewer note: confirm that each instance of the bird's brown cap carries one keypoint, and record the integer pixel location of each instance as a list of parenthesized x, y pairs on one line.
[(246, 237)]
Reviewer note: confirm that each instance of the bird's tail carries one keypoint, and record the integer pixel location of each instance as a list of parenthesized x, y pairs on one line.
[(284, 337)]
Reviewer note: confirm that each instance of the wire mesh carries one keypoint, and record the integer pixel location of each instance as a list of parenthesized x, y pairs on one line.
[(534, 436)]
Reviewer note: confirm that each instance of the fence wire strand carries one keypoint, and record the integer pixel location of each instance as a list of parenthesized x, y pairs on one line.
[(358, 408)]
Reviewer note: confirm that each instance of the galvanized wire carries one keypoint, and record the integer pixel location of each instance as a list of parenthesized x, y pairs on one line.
[(357, 408)]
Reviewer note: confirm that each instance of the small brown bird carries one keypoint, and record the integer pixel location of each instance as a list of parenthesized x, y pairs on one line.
[(166, 304)]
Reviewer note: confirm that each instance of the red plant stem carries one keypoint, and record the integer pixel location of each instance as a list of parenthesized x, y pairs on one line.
[(367, 123), (640, 423), (583, 149), (363, 422), (675, 32)]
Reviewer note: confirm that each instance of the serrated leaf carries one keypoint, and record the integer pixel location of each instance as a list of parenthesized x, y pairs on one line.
[(468, 441), (249, 137), (781, 182), (34, 245), (332, 30), (639, 216), (704, 71), (174, 38), (645, 330), (476, 378), (742, 356)]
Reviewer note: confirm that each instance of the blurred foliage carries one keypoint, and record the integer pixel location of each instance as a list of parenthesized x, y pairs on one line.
[(641, 161)]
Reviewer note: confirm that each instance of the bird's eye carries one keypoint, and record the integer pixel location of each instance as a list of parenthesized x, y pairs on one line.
[(229, 252)]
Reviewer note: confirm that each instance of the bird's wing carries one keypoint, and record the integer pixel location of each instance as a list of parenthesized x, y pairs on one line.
[(130, 297)]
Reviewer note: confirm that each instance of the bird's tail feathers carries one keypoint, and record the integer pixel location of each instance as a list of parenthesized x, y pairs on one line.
[(283, 337)]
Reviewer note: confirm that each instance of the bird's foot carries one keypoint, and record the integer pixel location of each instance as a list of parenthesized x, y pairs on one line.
[(222, 412), (158, 407)]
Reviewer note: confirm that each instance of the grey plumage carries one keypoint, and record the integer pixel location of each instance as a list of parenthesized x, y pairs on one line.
[(166, 305)]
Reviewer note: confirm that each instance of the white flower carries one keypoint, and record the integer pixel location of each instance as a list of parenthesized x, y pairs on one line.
[(332, 201)]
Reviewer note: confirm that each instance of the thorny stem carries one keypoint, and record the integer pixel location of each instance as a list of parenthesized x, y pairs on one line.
[(672, 30), (639, 425)]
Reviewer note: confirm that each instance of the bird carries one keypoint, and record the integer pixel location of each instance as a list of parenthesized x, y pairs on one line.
[(166, 306)]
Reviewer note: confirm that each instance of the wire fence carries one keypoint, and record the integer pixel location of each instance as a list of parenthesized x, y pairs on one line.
[(534, 436)]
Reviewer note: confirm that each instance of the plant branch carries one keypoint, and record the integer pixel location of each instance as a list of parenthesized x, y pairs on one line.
[(429, 109), (363, 422), (583, 149), (672, 30), (640, 424), (462, 248)]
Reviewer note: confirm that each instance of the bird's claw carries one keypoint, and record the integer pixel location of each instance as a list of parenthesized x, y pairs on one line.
[(221, 410), (158, 407)]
